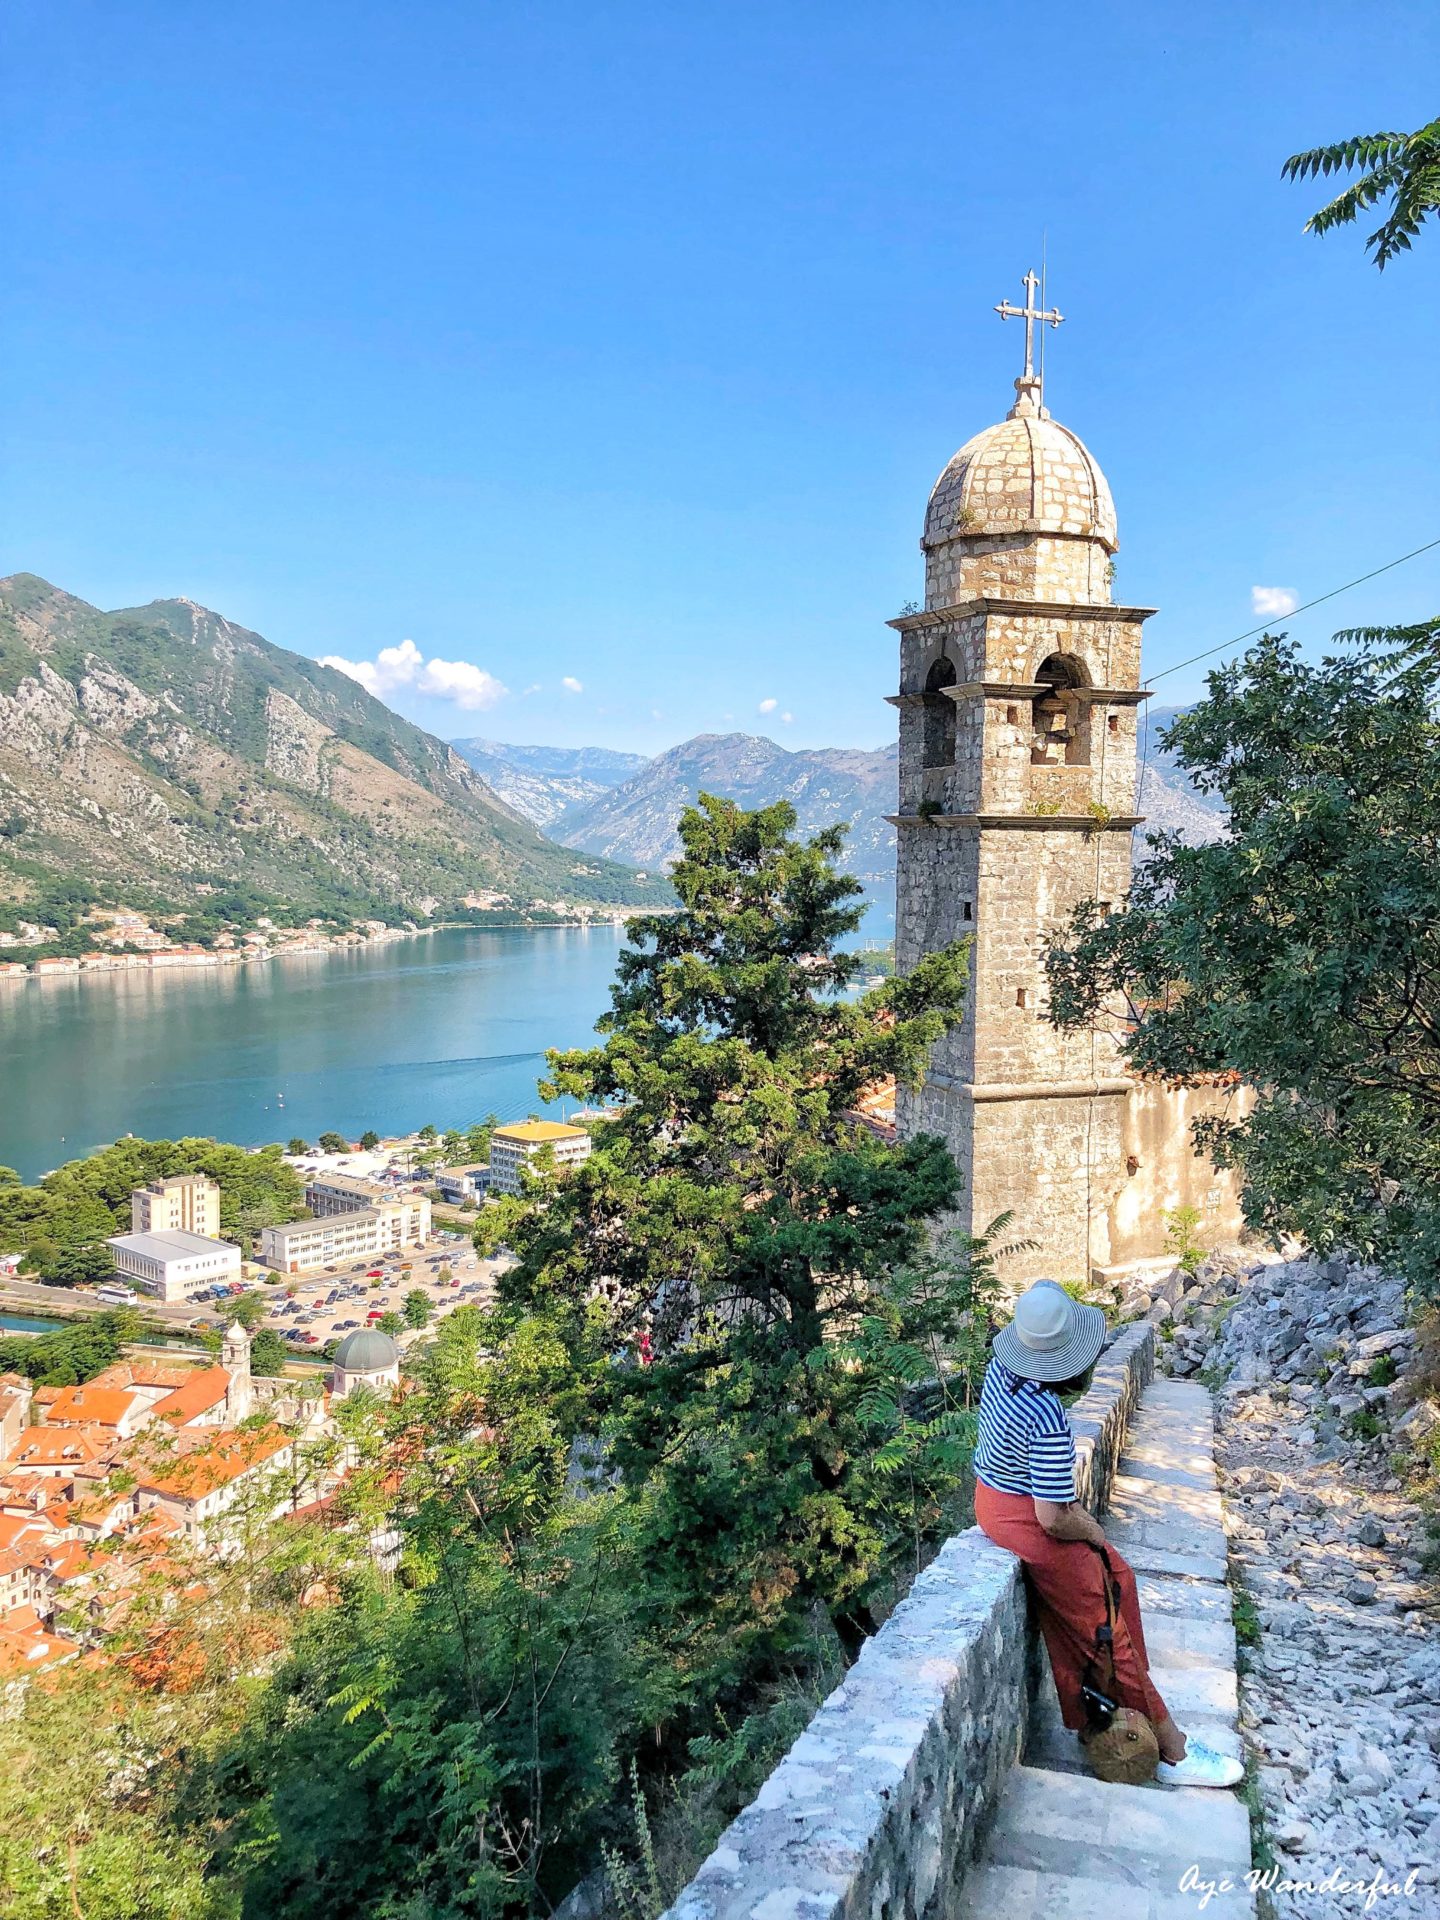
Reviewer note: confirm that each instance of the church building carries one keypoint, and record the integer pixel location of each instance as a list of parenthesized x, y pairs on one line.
[(1020, 685)]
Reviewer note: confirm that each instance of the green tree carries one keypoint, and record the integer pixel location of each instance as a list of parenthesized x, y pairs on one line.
[(417, 1309), (334, 1143), (268, 1353), (428, 1134), (249, 1309), (72, 1354), (86, 1200), (82, 1266), (1401, 168), (1299, 954), (741, 1220), (369, 1139), (390, 1323), (298, 1146)]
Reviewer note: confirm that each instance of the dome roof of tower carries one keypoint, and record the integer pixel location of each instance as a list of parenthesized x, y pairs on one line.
[(367, 1351), (1026, 474)]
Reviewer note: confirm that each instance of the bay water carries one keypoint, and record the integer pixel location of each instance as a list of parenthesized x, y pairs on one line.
[(442, 1028)]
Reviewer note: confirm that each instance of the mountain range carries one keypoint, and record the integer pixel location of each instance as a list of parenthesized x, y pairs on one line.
[(541, 782), (633, 815), (163, 751)]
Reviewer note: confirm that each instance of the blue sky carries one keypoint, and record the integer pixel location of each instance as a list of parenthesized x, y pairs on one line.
[(621, 344)]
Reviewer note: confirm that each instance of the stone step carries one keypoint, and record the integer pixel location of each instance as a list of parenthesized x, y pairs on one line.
[(1021, 1893), (1162, 1528), (1158, 1553), (1206, 1710), (1170, 1462), (1169, 1597), (1078, 1827), (1140, 1497), (1175, 1639)]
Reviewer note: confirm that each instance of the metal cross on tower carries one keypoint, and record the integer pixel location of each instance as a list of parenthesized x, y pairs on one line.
[(1029, 313)]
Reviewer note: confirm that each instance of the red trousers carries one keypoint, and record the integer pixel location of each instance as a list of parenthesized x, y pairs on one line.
[(1066, 1579)]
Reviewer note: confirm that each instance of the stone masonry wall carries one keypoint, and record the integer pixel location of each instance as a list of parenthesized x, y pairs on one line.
[(887, 1792)]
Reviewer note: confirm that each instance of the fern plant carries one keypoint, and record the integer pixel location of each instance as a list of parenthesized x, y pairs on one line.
[(1401, 167), (923, 1348)]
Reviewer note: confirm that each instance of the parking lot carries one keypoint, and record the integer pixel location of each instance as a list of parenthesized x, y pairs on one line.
[(310, 1310)]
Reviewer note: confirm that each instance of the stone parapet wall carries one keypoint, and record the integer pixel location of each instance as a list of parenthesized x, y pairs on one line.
[(885, 1796)]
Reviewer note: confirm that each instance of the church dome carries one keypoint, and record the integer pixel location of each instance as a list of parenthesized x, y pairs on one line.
[(367, 1351), (1027, 474)]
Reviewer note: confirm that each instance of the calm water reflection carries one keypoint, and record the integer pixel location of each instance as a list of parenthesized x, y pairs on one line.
[(444, 1028)]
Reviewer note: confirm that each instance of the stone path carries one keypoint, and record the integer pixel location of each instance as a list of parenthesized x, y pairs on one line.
[(1065, 1846)]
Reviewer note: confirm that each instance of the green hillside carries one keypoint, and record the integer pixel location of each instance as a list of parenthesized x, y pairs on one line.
[(160, 749)]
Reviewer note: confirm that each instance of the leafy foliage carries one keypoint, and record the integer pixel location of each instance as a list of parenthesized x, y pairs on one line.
[(72, 1354), (1301, 953), (1403, 168), (85, 1201), (639, 1509)]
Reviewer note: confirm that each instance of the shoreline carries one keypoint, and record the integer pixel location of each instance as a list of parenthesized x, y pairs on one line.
[(173, 959)]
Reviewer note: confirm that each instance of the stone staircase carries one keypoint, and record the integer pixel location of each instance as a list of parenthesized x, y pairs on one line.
[(1065, 1846)]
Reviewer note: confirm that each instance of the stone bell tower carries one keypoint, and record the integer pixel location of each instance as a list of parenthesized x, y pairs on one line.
[(1019, 689)]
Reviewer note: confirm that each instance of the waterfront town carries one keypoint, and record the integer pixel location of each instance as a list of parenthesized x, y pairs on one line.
[(104, 1482), (120, 940)]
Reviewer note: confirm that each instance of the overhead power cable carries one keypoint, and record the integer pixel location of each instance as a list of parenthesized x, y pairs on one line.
[(1319, 600)]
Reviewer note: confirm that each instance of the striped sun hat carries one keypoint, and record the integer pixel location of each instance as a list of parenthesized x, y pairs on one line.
[(1051, 1336)]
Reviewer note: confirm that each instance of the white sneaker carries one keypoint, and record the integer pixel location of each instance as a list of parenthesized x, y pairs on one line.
[(1201, 1767)]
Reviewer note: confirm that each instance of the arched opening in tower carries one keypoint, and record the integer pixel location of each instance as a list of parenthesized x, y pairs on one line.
[(939, 715), (1059, 716)]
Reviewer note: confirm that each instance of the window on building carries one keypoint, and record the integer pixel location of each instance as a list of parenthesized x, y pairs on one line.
[(939, 744)]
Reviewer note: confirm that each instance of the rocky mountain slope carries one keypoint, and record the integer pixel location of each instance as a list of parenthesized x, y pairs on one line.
[(636, 821), (161, 749), (1168, 799), (540, 782)]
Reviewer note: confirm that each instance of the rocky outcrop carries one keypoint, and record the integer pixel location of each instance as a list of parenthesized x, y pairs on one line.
[(1319, 1414), (295, 743)]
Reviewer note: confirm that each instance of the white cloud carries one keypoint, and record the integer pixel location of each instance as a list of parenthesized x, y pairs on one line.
[(467, 686), (460, 682), (767, 706), (787, 719), (392, 667), (571, 684), (1273, 602)]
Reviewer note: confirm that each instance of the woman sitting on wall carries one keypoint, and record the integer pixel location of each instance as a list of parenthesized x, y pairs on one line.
[(1025, 1500)]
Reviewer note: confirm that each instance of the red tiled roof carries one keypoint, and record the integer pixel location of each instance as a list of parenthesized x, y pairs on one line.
[(25, 1646), (201, 1392), (217, 1460), (90, 1405), (61, 1446)]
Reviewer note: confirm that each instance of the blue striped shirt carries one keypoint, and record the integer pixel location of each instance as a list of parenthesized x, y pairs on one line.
[(1025, 1443)]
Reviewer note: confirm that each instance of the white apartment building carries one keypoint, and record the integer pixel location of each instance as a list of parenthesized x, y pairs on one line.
[(332, 1193), (174, 1266), (185, 1203), (339, 1239), (514, 1148), (459, 1184)]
